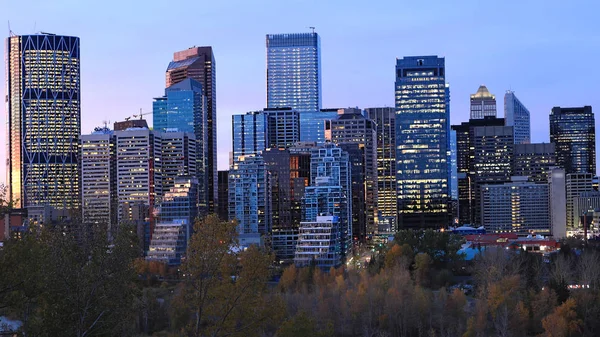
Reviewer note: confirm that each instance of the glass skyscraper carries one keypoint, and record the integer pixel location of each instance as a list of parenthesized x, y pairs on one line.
[(199, 63), (44, 120), (294, 71), (573, 132), (422, 142), (517, 116), (312, 124), (183, 109), (249, 134)]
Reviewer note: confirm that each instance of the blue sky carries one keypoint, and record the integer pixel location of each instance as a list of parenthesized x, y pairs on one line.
[(546, 51)]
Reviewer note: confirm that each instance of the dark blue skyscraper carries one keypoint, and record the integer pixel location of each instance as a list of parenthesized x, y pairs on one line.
[(294, 71), (422, 142), (250, 134), (573, 132), (183, 109)]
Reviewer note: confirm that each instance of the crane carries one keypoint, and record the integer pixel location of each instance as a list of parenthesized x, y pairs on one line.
[(142, 114)]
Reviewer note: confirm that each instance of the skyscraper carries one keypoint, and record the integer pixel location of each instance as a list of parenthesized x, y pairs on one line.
[(250, 134), (483, 103), (199, 64), (178, 158), (283, 127), (99, 178), (387, 203), (312, 124), (351, 127), (44, 120), (573, 132), (223, 194), (294, 71), (183, 109), (517, 116), (534, 161), (422, 142)]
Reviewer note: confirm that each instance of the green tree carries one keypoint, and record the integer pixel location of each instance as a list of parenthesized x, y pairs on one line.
[(442, 247), (302, 325)]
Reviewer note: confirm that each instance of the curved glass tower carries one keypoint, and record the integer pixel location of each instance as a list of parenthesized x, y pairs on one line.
[(44, 120)]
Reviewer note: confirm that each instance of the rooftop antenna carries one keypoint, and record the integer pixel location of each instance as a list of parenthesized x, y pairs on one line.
[(10, 32), (313, 29)]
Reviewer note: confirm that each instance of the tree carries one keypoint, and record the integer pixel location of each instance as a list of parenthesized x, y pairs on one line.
[(563, 321), (442, 247), (224, 286), (303, 325), (423, 264)]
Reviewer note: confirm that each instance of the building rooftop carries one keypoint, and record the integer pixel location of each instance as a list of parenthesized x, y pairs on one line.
[(483, 92)]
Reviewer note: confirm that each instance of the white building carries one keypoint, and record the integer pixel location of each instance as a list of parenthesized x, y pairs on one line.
[(168, 243), (558, 202), (319, 243)]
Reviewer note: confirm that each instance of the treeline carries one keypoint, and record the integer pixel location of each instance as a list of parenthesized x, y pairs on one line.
[(417, 286)]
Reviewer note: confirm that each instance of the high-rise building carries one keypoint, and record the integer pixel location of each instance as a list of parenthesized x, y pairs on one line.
[(454, 210), (290, 174), (422, 142), (223, 194), (178, 158), (319, 243), (465, 165), (558, 202), (351, 127), (576, 183), (199, 63), (483, 103), (573, 132), (183, 109), (584, 207), (178, 204), (517, 116), (518, 206), (534, 161), (357, 197), (99, 203), (312, 124), (387, 202), (283, 126), (294, 71), (492, 162), (250, 134), (44, 120), (250, 198), (330, 190), (168, 243)]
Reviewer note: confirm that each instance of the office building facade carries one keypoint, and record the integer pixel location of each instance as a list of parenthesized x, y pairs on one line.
[(43, 119), (283, 127), (250, 134), (576, 184), (584, 207), (387, 203), (573, 132), (483, 104), (199, 64), (178, 158), (351, 127), (422, 142), (319, 243), (557, 190), (312, 124), (517, 116), (294, 71), (534, 161), (99, 202), (223, 195)]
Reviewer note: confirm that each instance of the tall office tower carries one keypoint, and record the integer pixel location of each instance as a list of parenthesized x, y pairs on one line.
[(465, 153), (283, 126), (387, 203), (330, 190), (250, 198), (351, 127), (44, 120), (573, 131), (183, 109), (492, 162), (518, 206), (99, 179), (483, 103), (250, 134), (199, 63), (139, 171), (517, 116), (422, 142), (558, 202), (312, 124), (178, 157), (577, 183), (223, 194), (453, 178), (294, 71), (290, 174), (358, 183), (179, 203), (534, 161)]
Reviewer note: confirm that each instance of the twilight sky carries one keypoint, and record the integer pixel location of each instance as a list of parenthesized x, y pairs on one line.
[(544, 50)]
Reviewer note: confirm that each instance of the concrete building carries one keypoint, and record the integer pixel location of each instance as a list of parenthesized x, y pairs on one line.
[(517, 116), (576, 184), (351, 127), (518, 206), (534, 161), (422, 142), (483, 104), (558, 202), (319, 243)]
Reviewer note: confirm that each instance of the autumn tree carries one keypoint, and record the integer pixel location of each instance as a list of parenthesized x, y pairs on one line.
[(563, 322)]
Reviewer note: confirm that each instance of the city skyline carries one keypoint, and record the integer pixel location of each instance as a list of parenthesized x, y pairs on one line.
[(242, 80)]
